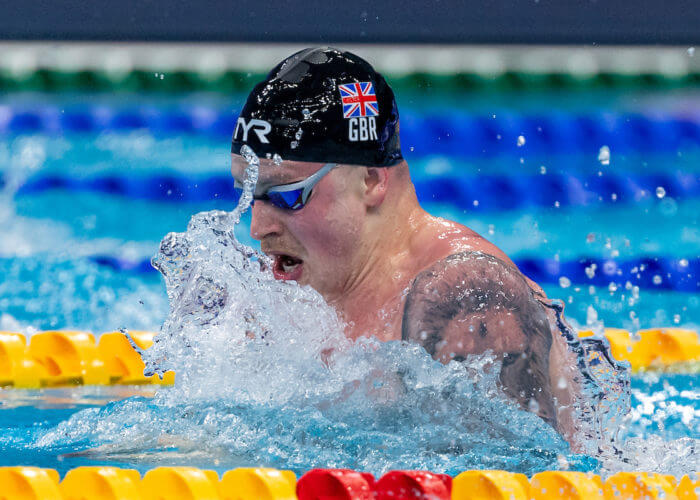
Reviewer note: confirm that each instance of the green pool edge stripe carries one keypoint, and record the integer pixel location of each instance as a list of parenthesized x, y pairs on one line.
[(233, 81)]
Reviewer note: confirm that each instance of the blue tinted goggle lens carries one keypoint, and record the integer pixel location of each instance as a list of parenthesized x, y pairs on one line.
[(288, 200)]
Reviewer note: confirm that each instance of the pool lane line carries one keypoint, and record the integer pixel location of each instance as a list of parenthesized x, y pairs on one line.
[(483, 193), (186, 482), (61, 358), (657, 273), (461, 134)]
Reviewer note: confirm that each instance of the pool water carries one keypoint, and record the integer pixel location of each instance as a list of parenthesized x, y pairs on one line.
[(83, 209)]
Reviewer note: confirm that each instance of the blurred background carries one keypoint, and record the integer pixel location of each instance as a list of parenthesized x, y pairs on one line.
[(566, 133)]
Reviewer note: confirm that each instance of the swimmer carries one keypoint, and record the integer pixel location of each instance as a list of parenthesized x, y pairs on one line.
[(339, 213)]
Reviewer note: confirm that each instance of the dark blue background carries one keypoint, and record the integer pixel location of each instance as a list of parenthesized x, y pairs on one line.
[(372, 21)]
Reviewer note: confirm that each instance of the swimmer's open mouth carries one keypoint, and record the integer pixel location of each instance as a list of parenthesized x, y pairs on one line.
[(287, 267)]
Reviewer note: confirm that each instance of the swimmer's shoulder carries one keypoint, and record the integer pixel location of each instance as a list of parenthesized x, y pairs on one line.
[(442, 238)]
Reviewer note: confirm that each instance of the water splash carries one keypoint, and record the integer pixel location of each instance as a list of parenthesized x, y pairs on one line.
[(265, 376)]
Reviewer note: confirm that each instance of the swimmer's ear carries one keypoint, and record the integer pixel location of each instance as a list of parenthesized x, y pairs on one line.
[(376, 183)]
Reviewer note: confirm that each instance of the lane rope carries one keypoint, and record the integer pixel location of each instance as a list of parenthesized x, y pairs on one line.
[(659, 273), (483, 193), (454, 133)]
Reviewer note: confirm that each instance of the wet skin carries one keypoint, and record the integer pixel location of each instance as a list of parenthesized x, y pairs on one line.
[(395, 272)]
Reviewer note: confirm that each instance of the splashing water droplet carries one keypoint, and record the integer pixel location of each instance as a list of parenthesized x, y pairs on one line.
[(691, 51), (604, 155), (660, 192), (521, 140), (564, 282), (656, 279), (590, 270), (543, 170), (277, 159)]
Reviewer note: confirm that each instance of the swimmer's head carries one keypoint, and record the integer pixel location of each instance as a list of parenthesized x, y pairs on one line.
[(322, 105), (323, 212)]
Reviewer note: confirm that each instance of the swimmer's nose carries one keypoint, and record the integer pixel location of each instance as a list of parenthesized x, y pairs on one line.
[(264, 221)]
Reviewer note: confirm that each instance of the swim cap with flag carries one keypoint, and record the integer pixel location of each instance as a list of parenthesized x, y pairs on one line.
[(322, 105)]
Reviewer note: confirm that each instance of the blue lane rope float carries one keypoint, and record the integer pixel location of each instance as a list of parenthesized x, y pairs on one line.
[(484, 193), (453, 133), (661, 273)]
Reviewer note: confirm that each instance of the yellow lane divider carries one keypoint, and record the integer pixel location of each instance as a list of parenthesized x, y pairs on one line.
[(64, 358), (176, 483), (668, 349)]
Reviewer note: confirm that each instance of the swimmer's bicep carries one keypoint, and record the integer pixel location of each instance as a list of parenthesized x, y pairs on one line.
[(467, 304)]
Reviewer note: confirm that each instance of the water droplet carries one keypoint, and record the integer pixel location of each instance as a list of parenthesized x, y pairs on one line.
[(656, 279), (612, 287), (412, 148), (533, 406), (306, 113), (297, 136), (590, 270), (604, 155), (277, 159), (543, 170), (590, 237), (476, 203), (660, 192), (691, 51), (683, 262), (676, 318), (491, 229), (294, 144), (564, 282), (557, 204), (521, 140)]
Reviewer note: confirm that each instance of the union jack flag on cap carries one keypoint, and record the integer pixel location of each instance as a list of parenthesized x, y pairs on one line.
[(358, 99)]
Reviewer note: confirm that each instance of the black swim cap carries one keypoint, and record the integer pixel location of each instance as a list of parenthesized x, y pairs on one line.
[(322, 105)]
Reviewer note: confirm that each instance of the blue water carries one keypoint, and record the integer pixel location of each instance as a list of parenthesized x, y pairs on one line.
[(50, 280)]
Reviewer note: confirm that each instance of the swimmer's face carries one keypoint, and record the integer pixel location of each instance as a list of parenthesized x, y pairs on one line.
[(318, 245)]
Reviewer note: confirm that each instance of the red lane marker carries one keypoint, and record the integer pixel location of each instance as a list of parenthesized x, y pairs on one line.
[(413, 485), (335, 484)]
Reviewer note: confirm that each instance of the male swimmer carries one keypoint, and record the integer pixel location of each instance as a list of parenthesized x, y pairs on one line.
[(340, 213)]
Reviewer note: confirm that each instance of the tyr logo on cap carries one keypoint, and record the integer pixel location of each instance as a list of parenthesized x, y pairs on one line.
[(260, 127)]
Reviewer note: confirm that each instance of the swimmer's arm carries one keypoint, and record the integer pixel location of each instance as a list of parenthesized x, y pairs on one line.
[(471, 302)]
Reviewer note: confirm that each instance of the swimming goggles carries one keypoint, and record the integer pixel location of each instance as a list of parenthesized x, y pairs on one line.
[(288, 196)]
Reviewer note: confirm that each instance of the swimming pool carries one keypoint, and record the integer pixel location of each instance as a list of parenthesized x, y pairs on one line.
[(92, 182)]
